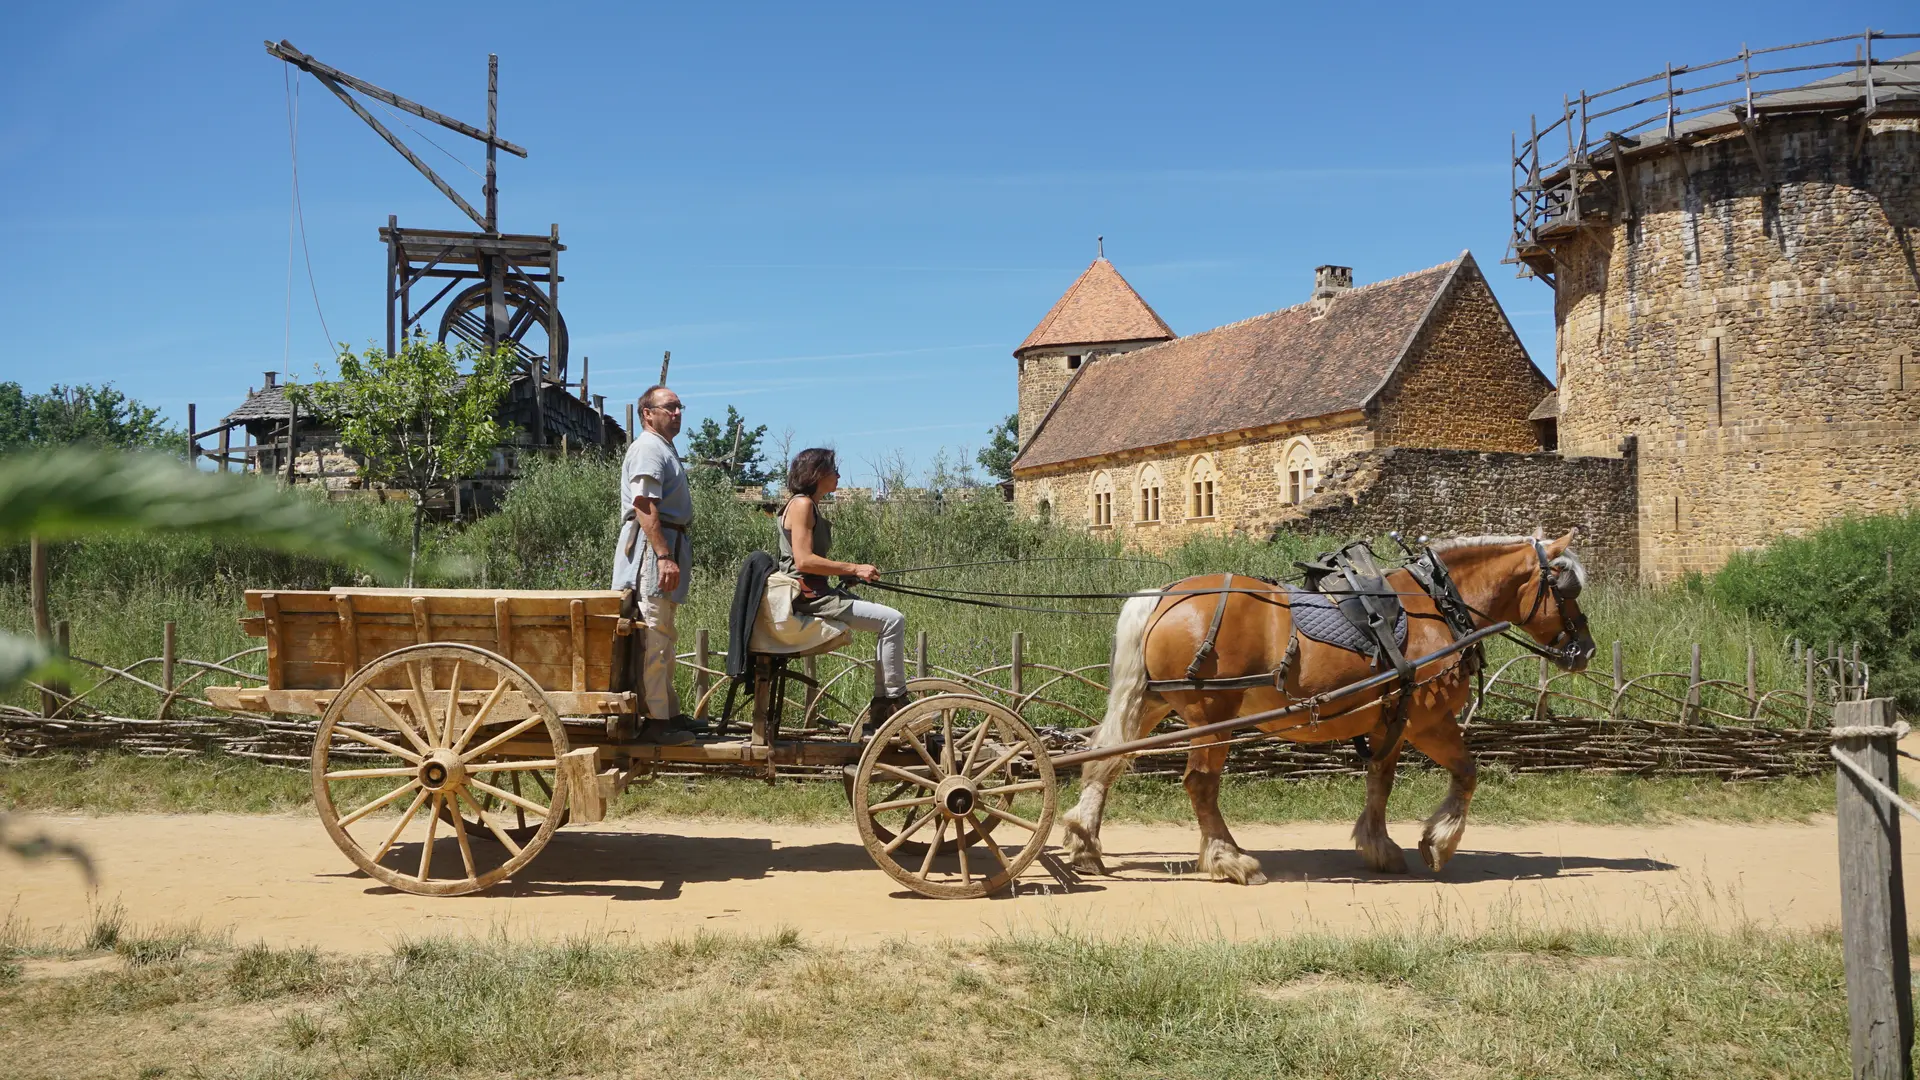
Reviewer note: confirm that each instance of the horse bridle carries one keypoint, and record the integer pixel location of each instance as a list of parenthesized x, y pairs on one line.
[(1566, 644)]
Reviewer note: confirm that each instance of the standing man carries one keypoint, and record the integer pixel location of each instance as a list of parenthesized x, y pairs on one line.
[(653, 554)]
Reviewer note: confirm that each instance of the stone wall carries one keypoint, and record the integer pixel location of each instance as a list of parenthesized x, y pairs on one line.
[(1754, 325), (1467, 382), (1250, 487), (1440, 493)]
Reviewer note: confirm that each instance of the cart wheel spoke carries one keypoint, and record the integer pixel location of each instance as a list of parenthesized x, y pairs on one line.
[(448, 725), (376, 742), (903, 775), (426, 849), (989, 844), (939, 830), (378, 803), (412, 809), (899, 804), (466, 849), (425, 712)]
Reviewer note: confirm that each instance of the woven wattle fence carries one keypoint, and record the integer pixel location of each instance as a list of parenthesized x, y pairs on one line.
[(1653, 724)]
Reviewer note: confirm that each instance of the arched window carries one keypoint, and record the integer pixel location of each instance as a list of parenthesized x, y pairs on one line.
[(1150, 486), (1100, 508), (1200, 483), (1299, 470)]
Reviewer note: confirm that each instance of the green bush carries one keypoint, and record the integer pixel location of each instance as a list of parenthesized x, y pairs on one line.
[(1837, 585)]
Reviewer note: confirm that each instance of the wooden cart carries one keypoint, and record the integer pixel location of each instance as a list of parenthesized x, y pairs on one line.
[(459, 728)]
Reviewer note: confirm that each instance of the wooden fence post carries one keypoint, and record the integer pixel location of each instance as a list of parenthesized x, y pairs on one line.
[(1691, 710), (920, 659), (1015, 679), (167, 633), (812, 669), (702, 655), (1873, 906), (1540, 695), (42, 623), (1808, 657), (1619, 666), (193, 438), (62, 647), (1753, 673)]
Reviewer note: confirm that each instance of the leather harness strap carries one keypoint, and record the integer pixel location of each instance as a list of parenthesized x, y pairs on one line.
[(1206, 648)]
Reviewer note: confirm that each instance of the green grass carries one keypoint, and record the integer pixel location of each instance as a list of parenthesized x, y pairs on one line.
[(1403, 1002), (556, 530), (120, 783)]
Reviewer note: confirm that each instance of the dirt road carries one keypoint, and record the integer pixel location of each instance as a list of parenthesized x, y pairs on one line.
[(279, 879)]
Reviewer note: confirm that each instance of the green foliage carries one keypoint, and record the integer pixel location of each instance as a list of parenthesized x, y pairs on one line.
[(1837, 585), (713, 457), (997, 456), (417, 420), (81, 415), (554, 530)]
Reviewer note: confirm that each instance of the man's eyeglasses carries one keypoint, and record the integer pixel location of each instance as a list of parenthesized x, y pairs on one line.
[(675, 407)]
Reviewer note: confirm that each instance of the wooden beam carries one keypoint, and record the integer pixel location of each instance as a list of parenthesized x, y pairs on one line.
[(394, 141), (349, 632), (287, 51), (276, 655)]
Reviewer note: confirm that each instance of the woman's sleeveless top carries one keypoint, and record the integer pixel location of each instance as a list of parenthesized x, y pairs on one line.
[(821, 597)]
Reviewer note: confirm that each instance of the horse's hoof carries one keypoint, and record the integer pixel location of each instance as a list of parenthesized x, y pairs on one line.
[(1387, 860), (1088, 864)]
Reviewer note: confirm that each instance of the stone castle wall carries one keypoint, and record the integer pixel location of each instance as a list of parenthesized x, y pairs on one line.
[(1754, 326), (1467, 383), (1441, 493)]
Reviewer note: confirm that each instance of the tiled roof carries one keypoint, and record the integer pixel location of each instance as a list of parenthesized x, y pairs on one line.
[(1099, 307), (269, 403), (1548, 409), (1274, 368)]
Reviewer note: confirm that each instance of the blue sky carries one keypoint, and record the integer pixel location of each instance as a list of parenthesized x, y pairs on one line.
[(840, 218)]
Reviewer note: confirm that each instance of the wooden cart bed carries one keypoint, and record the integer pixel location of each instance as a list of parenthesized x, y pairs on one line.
[(316, 640)]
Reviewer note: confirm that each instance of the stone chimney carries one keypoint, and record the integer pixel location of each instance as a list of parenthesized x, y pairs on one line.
[(1329, 282), (273, 378)]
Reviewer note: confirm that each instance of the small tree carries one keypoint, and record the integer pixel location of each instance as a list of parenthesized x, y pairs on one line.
[(714, 453), (417, 421), (997, 456), (81, 415)]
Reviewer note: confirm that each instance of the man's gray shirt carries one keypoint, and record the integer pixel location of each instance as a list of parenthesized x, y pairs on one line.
[(652, 468)]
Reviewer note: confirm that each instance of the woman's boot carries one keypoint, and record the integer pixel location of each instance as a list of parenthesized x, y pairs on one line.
[(879, 711)]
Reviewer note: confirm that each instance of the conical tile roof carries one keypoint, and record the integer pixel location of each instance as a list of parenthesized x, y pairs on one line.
[(1100, 307)]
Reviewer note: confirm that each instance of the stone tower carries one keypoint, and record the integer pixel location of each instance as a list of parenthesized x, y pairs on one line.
[(1099, 315), (1738, 293)]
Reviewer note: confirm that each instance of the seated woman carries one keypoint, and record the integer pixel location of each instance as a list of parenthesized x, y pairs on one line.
[(806, 538)]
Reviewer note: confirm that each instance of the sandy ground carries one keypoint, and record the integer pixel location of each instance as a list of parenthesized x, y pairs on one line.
[(279, 879)]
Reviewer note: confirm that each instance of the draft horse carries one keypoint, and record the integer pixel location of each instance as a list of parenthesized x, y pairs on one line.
[(1531, 582)]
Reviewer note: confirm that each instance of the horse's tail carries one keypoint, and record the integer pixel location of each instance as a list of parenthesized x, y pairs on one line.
[(1128, 672)]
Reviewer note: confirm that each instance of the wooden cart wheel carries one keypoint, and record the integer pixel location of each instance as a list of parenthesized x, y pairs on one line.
[(513, 821), (964, 761), (923, 687), (447, 752)]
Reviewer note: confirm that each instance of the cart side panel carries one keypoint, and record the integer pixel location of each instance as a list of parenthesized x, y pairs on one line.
[(316, 640)]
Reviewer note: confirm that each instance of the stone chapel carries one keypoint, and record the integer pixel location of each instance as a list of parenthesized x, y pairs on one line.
[(1129, 429)]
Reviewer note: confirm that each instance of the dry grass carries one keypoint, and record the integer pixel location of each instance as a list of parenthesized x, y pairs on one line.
[(1497, 1003)]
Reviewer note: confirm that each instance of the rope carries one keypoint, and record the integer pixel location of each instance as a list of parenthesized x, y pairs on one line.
[(293, 148), (1861, 774), (1900, 730)]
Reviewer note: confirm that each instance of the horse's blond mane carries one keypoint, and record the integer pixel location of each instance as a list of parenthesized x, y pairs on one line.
[(1567, 560)]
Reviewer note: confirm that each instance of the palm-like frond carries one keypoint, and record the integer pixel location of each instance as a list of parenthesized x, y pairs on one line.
[(73, 492)]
